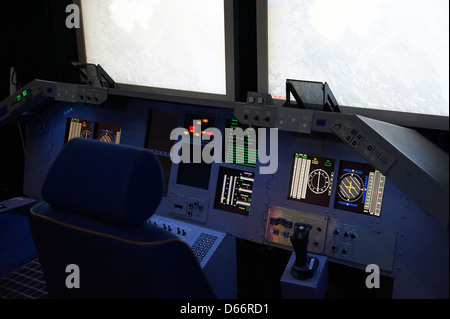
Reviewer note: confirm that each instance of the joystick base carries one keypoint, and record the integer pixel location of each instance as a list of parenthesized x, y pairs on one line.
[(306, 271), (310, 288)]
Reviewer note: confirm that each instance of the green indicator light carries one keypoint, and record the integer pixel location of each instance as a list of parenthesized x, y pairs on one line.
[(25, 93), (327, 163), (19, 97)]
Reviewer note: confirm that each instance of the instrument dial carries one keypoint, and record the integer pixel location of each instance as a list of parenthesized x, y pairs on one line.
[(85, 133), (105, 137), (318, 181), (350, 187)]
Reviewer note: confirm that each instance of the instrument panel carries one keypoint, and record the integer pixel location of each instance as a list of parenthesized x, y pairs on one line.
[(319, 181), (358, 216), (311, 185)]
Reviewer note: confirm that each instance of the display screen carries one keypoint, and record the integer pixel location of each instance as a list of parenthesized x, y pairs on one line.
[(160, 125), (360, 188), (242, 155), (311, 179), (78, 128), (194, 174), (234, 190), (377, 54), (108, 133)]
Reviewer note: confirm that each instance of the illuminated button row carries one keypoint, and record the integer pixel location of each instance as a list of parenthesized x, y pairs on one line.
[(24, 96)]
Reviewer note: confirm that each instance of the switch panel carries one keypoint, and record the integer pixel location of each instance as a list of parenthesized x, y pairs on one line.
[(349, 133), (256, 114), (192, 208), (21, 102), (360, 244), (80, 93), (280, 226), (294, 119), (197, 209)]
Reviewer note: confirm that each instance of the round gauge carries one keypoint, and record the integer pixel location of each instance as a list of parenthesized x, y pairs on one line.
[(105, 137), (318, 181), (85, 134), (350, 187)]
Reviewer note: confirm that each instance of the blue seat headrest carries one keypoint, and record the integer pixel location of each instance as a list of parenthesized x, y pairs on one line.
[(114, 183)]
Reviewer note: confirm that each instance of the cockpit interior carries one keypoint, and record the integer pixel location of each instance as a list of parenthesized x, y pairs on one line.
[(263, 149)]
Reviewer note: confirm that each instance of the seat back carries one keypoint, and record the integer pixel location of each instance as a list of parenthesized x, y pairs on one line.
[(97, 200)]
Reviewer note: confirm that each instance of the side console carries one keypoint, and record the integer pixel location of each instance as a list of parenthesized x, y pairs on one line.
[(215, 252)]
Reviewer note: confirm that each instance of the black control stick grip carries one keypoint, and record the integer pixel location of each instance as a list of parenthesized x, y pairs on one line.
[(299, 240), (304, 265)]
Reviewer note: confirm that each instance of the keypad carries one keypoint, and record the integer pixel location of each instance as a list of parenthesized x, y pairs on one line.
[(202, 245)]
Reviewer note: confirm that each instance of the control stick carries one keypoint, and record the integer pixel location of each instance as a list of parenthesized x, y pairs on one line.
[(304, 265)]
